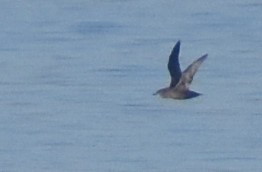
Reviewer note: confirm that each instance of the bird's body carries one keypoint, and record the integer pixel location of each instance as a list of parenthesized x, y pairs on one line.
[(180, 81), (176, 94)]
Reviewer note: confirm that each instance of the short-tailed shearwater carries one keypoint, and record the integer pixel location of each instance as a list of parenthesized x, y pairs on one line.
[(180, 81)]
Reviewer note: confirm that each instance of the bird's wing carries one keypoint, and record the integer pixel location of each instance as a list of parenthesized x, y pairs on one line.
[(173, 65), (189, 72)]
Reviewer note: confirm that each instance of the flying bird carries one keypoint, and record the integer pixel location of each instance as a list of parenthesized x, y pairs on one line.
[(180, 81)]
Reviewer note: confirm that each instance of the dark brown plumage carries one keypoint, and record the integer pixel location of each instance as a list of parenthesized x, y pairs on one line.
[(180, 81)]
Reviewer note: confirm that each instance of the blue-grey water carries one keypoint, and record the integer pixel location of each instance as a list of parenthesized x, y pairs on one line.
[(77, 77)]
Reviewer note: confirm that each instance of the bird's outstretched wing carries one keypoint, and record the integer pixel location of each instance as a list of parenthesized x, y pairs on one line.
[(189, 72), (174, 66)]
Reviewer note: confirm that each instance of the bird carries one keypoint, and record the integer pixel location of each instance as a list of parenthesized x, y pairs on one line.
[(180, 81)]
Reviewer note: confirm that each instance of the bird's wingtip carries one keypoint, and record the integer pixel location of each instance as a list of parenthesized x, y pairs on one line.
[(204, 56)]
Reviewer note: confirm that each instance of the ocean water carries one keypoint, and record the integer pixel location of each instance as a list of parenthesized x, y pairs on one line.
[(77, 77)]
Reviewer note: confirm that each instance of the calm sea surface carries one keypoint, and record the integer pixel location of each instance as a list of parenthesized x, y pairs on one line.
[(77, 77)]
